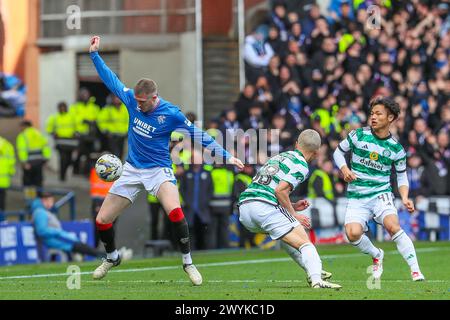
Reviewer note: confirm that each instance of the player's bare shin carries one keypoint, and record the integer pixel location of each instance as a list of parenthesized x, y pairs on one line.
[(112, 207), (169, 197), (298, 238)]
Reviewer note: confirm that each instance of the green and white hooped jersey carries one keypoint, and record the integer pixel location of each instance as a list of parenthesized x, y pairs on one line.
[(288, 166), (371, 161)]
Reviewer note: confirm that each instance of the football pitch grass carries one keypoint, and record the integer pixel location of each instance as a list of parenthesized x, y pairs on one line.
[(239, 275)]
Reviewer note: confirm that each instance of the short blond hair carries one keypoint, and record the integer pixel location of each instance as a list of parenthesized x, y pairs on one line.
[(146, 86), (309, 140)]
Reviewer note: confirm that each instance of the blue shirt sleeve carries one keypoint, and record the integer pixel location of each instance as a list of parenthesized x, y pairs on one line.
[(110, 79), (199, 136)]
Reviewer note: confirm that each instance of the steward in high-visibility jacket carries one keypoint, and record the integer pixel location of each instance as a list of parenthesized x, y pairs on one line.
[(223, 181), (112, 122), (33, 151), (221, 205), (85, 112), (320, 183), (7, 170), (213, 132), (62, 126), (242, 181), (327, 119)]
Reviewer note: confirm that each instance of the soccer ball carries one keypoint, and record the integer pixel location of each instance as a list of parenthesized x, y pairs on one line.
[(108, 167)]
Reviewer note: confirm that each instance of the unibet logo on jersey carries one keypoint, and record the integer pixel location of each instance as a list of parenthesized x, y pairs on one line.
[(288, 166), (372, 160)]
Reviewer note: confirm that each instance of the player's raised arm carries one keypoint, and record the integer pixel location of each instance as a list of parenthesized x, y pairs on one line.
[(206, 140), (108, 77)]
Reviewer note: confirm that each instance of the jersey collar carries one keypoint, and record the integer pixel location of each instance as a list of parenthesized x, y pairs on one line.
[(375, 135), (300, 153)]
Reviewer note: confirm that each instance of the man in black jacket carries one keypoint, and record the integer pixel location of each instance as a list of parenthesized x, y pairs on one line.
[(196, 188)]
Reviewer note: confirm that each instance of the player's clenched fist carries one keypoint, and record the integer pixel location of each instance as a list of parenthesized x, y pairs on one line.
[(95, 44)]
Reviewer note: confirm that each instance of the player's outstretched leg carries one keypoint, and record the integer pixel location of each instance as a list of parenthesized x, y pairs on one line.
[(297, 257), (181, 231), (169, 198), (404, 245), (358, 239), (111, 208), (310, 258), (406, 248)]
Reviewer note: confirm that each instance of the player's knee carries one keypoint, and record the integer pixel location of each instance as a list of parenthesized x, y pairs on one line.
[(353, 234), (393, 228), (102, 220), (352, 237)]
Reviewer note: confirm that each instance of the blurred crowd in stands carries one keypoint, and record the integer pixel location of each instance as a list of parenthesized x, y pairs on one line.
[(304, 69), (308, 70)]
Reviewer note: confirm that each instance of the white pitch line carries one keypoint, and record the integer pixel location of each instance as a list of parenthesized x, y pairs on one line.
[(214, 264), (245, 281)]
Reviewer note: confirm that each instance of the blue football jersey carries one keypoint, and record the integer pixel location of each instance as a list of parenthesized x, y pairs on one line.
[(149, 133)]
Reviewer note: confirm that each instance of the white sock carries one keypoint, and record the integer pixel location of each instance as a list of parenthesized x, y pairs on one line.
[(187, 259), (366, 246), (113, 255), (311, 261), (406, 248), (295, 254)]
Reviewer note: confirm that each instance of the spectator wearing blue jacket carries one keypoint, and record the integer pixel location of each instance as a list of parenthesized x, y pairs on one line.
[(12, 96), (342, 11), (48, 229)]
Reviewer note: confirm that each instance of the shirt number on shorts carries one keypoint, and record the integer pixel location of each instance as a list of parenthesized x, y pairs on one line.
[(386, 198), (168, 172)]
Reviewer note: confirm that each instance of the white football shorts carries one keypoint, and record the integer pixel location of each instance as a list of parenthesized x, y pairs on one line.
[(363, 210), (262, 217), (132, 181)]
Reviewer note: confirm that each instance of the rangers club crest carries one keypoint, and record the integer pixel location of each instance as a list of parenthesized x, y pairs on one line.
[(161, 119)]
